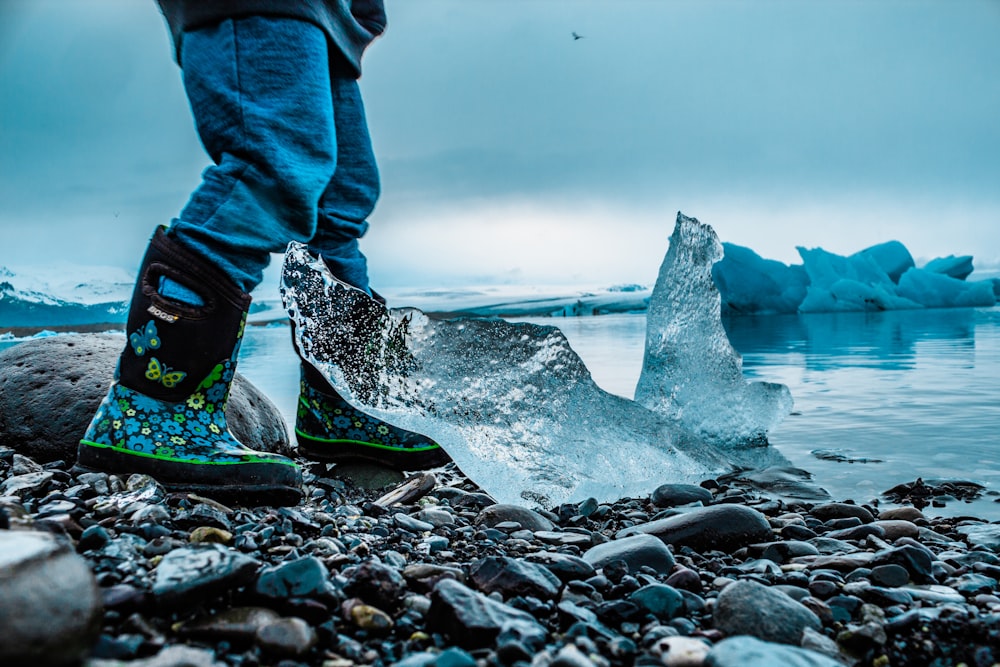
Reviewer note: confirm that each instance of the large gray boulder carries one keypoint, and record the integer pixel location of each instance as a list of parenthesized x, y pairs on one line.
[(50, 389), (50, 608)]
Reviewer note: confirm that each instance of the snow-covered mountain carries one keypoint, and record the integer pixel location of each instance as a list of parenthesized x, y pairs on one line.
[(64, 294)]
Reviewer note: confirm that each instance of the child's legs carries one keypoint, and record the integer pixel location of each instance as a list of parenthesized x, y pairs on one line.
[(350, 196), (259, 89)]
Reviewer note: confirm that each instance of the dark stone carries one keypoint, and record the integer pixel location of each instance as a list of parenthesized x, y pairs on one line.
[(885, 597), (751, 652), (782, 552), (238, 625), (303, 577), (748, 608), (918, 562), (529, 519), (286, 637), (192, 574), (638, 551), (376, 584), (891, 575), (857, 532), (93, 537), (511, 577), (718, 527), (671, 495), (472, 620), (50, 389), (660, 600), (564, 566), (828, 511)]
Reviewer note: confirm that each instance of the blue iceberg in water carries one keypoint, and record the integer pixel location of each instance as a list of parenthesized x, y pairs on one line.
[(516, 407), (882, 277)]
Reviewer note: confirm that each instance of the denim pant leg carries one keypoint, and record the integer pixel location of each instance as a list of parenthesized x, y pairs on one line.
[(350, 196), (259, 89)]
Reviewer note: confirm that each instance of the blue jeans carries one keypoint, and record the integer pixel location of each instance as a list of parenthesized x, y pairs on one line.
[(292, 156)]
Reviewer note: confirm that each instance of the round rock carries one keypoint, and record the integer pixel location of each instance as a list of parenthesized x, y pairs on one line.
[(50, 389), (50, 607), (671, 495), (529, 519), (748, 608), (751, 652), (636, 551), (828, 511), (718, 527)]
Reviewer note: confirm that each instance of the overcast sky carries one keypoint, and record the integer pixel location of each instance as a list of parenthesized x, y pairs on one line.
[(512, 152)]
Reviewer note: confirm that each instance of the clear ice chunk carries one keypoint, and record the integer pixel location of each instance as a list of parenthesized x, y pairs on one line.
[(515, 406), (690, 372)]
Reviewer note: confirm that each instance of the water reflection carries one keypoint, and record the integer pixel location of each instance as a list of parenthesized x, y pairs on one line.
[(885, 340)]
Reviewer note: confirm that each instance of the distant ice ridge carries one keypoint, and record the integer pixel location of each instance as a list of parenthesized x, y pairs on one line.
[(882, 277), (515, 406), (64, 294)]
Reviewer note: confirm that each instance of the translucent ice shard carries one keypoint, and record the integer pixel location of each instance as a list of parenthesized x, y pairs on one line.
[(690, 373), (513, 404)]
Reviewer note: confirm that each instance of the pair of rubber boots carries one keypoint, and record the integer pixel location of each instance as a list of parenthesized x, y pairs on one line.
[(164, 414)]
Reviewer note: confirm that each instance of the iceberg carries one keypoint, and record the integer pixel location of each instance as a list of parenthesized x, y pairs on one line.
[(516, 407), (882, 277)]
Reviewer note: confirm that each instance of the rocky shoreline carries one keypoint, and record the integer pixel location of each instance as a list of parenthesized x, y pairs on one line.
[(429, 571)]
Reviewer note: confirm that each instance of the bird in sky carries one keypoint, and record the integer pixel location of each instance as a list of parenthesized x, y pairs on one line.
[(576, 36)]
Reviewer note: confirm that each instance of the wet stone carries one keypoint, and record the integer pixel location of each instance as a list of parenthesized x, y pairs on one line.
[(407, 522), (565, 566), (511, 577), (917, 561), (565, 539), (303, 577), (191, 574), (829, 511), (472, 620), (529, 519), (718, 527), (291, 637), (890, 575), (637, 551), (49, 601), (748, 608), (752, 652), (658, 599), (375, 583), (237, 625), (672, 495)]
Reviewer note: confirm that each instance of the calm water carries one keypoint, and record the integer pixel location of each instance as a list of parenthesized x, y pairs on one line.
[(919, 390)]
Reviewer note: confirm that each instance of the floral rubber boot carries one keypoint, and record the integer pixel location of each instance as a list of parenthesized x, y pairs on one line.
[(164, 414), (328, 428)]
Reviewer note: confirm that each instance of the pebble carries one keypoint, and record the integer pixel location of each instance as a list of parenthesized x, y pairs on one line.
[(723, 528), (637, 551), (189, 575), (528, 518), (672, 495), (748, 608), (291, 637), (511, 577), (472, 620), (302, 577), (752, 652)]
